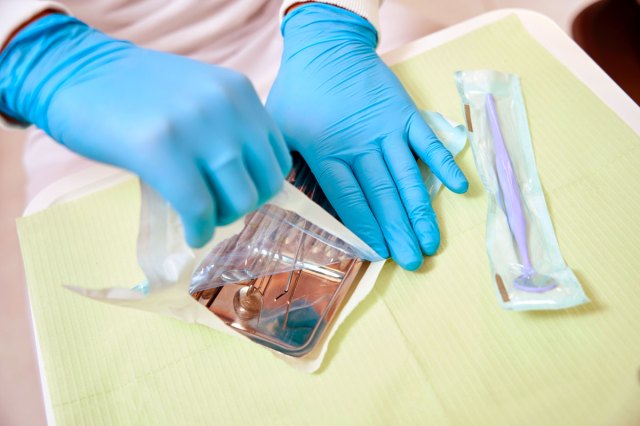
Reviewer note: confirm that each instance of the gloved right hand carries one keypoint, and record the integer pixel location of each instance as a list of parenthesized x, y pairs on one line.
[(196, 133), (343, 109)]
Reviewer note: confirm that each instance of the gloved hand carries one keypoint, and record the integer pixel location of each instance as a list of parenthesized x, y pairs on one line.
[(341, 107), (196, 133)]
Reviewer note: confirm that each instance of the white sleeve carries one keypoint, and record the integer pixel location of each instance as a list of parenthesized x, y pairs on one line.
[(14, 13), (368, 9)]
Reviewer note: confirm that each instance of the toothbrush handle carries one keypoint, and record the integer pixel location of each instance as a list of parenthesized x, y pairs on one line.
[(509, 187)]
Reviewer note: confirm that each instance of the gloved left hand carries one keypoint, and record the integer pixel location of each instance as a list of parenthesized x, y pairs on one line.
[(341, 107)]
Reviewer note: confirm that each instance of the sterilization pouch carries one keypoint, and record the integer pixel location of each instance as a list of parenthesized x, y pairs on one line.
[(526, 264)]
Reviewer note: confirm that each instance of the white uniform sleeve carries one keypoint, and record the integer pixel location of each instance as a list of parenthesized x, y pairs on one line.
[(14, 13), (368, 9)]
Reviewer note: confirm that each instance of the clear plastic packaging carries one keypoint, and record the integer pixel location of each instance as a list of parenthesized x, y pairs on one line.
[(282, 279), (278, 275), (526, 264)]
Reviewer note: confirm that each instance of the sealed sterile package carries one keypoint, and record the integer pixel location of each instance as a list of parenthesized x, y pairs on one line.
[(279, 276), (524, 255), (284, 276)]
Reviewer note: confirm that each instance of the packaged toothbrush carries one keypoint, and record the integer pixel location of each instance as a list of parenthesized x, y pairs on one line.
[(526, 265)]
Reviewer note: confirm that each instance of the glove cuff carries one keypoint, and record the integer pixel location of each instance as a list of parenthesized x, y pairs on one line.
[(27, 67), (368, 9), (14, 16), (39, 59), (313, 22)]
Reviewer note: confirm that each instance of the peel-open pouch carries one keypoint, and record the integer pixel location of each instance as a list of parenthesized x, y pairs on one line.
[(285, 276), (524, 255)]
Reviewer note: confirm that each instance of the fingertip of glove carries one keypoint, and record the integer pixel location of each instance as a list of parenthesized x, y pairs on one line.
[(381, 249), (458, 182), (287, 165), (197, 235), (429, 236), (408, 258), (461, 187), (410, 265), (197, 241)]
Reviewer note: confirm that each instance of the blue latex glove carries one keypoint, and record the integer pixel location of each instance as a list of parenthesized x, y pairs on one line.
[(341, 107), (196, 133)]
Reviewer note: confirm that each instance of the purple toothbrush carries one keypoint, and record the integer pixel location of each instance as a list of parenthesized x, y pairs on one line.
[(530, 280)]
